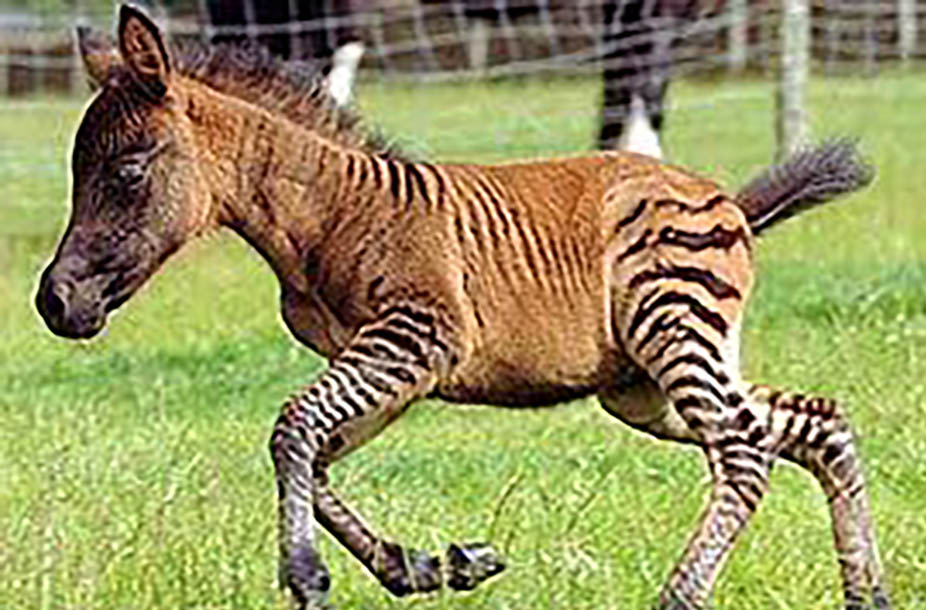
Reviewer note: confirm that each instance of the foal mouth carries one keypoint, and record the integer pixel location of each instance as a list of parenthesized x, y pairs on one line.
[(67, 321), (79, 309)]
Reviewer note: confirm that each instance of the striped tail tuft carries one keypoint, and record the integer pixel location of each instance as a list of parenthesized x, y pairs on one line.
[(808, 178)]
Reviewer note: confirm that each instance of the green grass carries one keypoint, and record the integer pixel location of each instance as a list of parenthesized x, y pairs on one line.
[(134, 472)]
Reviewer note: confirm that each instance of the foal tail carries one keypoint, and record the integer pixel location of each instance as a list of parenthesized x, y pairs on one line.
[(807, 179)]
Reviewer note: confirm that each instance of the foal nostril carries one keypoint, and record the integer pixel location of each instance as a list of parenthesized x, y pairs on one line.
[(52, 303)]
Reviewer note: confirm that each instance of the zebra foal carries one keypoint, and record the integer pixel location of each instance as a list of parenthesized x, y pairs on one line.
[(519, 284)]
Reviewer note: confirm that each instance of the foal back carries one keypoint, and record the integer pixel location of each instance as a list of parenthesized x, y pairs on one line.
[(523, 255)]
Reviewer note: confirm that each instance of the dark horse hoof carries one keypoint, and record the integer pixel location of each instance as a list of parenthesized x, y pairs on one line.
[(468, 565)]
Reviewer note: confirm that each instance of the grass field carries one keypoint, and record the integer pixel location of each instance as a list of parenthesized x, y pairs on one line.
[(134, 472)]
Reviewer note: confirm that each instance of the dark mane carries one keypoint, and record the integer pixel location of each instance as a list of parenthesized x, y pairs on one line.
[(249, 72)]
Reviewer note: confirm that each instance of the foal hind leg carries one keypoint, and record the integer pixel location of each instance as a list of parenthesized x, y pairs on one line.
[(814, 433), (809, 431), (708, 407)]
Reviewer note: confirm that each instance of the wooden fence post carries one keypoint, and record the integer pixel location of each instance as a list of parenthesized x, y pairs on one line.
[(906, 25), (791, 119), (738, 12)]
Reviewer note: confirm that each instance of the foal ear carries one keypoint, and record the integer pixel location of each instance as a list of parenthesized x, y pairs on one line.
[(143, 50), (98, 54)]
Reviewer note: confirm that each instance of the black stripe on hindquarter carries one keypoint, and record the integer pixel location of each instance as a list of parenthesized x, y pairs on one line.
[(689, 334), (712, 203), (692, 209), (634, 215), (718, 237), (805, 431), (635, 247), (703, 277), (785, 436), (669, 299)]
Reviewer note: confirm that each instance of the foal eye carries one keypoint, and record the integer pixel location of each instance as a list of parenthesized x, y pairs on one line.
[(111, 190), (130, 175)]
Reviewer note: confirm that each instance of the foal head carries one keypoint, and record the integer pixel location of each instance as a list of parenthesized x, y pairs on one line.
[(137, 192)]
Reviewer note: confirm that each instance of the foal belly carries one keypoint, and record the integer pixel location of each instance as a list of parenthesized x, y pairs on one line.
[(515, 391), (529, 367)]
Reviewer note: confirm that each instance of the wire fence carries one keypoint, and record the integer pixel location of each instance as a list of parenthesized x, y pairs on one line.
[(429, 40)]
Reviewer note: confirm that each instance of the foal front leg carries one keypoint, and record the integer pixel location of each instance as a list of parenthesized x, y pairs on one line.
[(389, 364), (399, 569)]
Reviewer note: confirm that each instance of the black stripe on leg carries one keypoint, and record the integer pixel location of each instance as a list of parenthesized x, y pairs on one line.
[(696, 361), (690, 381), (400, 340), (750, 504)]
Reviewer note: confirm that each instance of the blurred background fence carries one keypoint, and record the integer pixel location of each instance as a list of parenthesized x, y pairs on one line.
[(451, 39)]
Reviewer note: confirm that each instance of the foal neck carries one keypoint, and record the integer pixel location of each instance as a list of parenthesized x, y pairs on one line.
[(272, 181)]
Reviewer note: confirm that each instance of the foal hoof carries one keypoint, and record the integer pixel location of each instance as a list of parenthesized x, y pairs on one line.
[(880, 599), (405, 572), (306, 577), (469, 565)]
